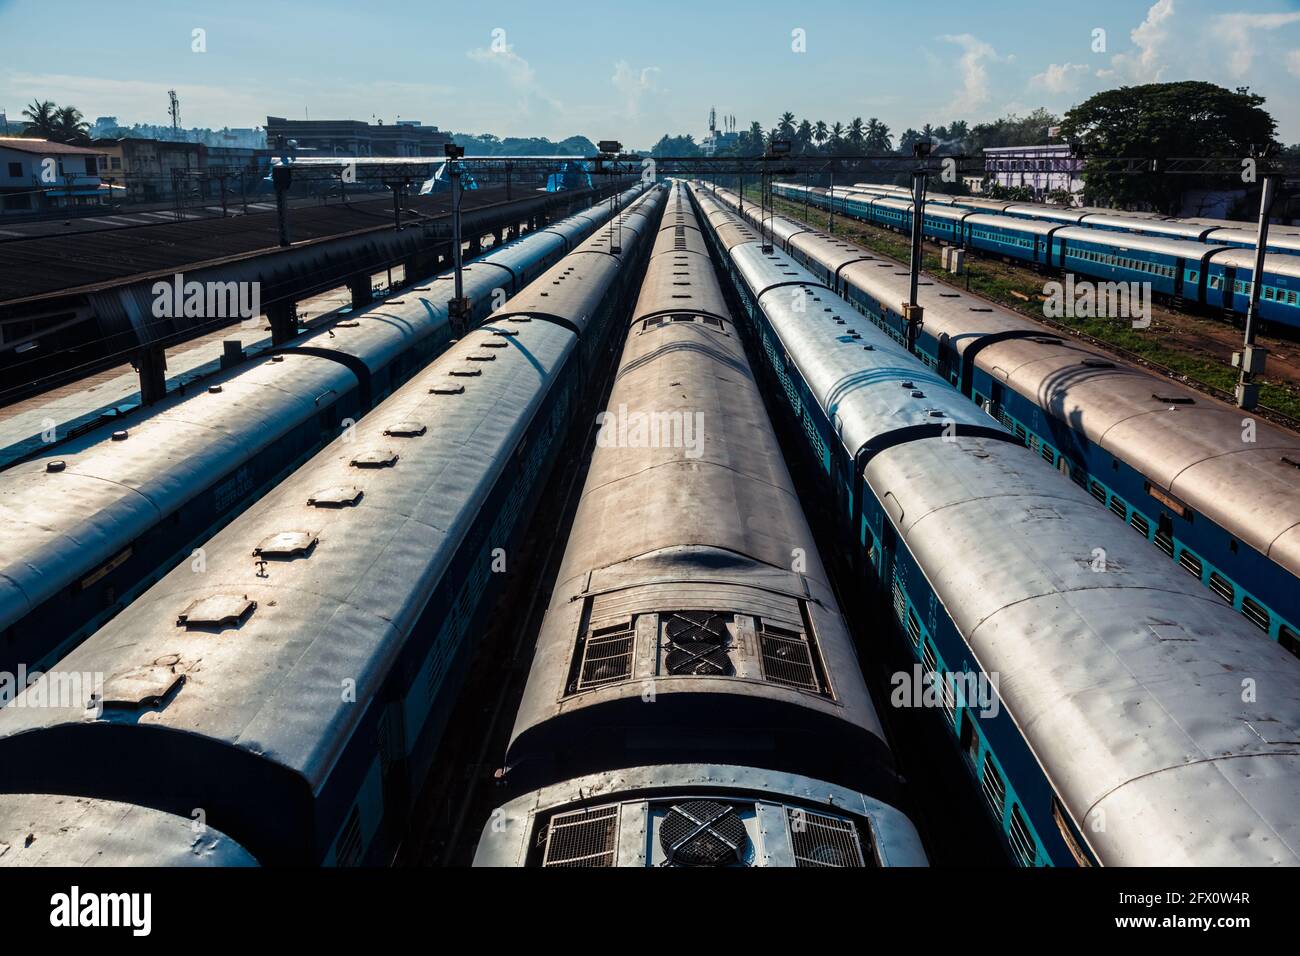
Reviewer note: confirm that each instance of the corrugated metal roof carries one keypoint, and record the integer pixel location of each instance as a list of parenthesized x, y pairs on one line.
[(51, 264), (43, 147)]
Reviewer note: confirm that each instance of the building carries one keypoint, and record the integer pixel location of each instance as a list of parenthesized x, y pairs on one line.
[(1043, 170), (36, 174), (317, 138), (717, 141), (147, 170)]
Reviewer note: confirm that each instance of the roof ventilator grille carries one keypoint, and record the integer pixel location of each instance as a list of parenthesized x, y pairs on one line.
[(697, 643), (582, 838), (825, 841), (703, 833)]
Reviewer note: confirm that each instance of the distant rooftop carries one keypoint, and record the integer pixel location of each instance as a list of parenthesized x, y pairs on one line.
[(43, 147)]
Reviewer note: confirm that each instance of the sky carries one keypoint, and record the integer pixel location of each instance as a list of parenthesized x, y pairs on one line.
[(631, 71)]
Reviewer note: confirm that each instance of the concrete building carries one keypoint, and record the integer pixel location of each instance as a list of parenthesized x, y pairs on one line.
[(147, 168), (36, 174), (1042, 170), (316, 138)]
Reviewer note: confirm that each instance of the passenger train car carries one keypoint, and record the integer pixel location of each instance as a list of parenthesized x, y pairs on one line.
[(1282, 239), (1209, 275), (1214, 491), (695, 697), (1127, 729), (95, 520), (47, 830), (293, 686)]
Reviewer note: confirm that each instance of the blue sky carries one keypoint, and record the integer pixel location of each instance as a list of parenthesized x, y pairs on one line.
[(631, 71)]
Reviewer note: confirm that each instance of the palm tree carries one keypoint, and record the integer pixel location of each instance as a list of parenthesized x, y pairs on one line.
[(958, 130), (803, 136), (41, 117), (877, 136), (857, 132), (785, 125), (70, 128), (837, 137), (820, 132), (755, 144)]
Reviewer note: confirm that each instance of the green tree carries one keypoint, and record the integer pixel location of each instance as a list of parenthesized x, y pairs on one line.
[(877, 137), (70, 127), (857, 132), (1163, 121), (803, 136), (836, 142), (41, 116), (676, 146)]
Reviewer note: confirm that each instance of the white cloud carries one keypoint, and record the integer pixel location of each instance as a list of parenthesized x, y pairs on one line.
[(974, 73), (1241, 31), (515, 67), (1150, 37), (1060, 79), (633, 84), (1293, 62), (534, 103)]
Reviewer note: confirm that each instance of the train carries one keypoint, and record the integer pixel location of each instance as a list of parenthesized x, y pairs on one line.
[(1210, 487), (92, 521), (1109, 710), (1282, 239), (695, 697), (1213, 276), (288, 695)]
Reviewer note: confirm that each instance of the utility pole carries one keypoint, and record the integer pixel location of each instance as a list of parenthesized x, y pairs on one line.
[(912, 311), (458, 307), (1252, 357), (282, 178), (830, 223)]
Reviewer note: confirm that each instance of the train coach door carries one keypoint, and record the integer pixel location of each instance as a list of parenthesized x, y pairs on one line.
[(944, 349), (1229, 280), (1180, 266), (996, 392)]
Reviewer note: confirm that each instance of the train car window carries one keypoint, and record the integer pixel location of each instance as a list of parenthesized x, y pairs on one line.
[(995, 790), (1022, 840), (970, 740), (348, 847), (913, 628), (1118, 506), (1289, 639), (1223, 587), (1256, 613), (1097, 490), (929, 663), (1140, 524), (1190, 563)]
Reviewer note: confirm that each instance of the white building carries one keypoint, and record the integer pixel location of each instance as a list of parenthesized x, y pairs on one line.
[(37, 174), (1042, 170)]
